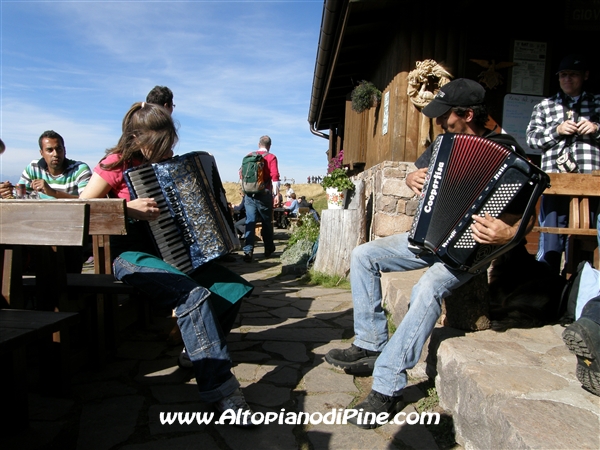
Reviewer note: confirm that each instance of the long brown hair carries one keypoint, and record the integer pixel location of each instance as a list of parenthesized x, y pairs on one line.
[(145, 126)]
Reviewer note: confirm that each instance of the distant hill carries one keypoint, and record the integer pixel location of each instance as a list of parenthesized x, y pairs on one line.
[(314, 191)]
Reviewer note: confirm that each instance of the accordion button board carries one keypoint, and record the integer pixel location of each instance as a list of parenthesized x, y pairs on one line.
[(470, 175)]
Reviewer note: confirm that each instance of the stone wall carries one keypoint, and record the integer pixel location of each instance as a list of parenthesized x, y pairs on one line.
[(391, 204)]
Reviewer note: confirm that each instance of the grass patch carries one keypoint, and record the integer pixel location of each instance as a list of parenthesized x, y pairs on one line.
[(429, 403), (390, 323), (313, 278)]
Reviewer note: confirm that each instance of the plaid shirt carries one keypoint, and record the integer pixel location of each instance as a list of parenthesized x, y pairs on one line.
[(541, 132)]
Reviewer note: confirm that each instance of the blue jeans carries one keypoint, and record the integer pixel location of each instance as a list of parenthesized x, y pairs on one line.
[(259, 207), (554, 212), (402, 351), (200, 329)]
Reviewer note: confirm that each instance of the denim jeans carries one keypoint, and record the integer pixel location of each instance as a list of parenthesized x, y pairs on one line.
[(554, 212), (202, 335), (402, 351), (259, 207)]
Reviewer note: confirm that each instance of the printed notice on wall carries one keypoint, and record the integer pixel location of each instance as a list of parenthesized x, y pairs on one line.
[(386, 113), (516, 116), (528, 73)]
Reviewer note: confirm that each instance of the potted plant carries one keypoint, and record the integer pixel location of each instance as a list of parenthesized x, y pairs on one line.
[(336, 184), (364, 96)]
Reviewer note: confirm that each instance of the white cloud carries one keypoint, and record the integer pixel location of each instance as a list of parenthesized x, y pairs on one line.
[(238, 70)]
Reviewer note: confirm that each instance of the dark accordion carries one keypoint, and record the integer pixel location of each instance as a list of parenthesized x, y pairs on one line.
[(195, 225), (470, 175)]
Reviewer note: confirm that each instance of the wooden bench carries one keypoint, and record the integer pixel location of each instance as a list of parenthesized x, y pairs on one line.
[(582, 235), (18, 329), (295, 221), (28, 223)]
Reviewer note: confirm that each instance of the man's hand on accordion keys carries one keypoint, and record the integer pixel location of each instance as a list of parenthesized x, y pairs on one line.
[(143, 209), (416, 179), (492, 231)]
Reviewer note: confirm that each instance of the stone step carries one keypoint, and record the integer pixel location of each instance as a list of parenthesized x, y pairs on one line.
[(516, 389)]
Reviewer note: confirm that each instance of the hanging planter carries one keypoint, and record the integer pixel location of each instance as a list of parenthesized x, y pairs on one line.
[(365, 96)]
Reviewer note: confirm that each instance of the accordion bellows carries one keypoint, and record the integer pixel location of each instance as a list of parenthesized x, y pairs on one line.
[(194, 225), (471, 175)]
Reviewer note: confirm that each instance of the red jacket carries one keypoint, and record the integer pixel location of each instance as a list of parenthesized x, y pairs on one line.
[(272, 169)]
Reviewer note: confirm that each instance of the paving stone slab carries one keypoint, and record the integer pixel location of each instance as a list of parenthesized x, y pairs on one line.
[(320, 305), (144, 350), (264, 437), (249, 356), (299, 334), (415, 436), (318, 292), (112, 370), (108, 423), (288, 311), (39, 435), (177, 393), (192, 442), (282, 376), (48, 408), (322, 379), (162, 371), (266, 394), (191, 425), (269, 302), (324, 402), (102, 389), (291, 351), (325, 437)]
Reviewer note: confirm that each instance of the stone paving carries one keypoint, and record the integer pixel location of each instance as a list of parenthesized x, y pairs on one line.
[(284, 330)]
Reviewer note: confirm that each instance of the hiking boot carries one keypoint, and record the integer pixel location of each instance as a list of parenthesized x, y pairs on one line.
[(354, 360), (184, 360), (236, 402), (248, 257), (268, 253), (376, 403), (583, 340)]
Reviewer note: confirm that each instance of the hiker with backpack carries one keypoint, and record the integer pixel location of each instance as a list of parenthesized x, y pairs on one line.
[(259, 176)]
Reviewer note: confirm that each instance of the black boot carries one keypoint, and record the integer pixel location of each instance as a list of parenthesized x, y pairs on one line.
[(354, 360), (376, 403)]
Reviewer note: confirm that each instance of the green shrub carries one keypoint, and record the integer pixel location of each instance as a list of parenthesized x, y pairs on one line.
[(308, 228)]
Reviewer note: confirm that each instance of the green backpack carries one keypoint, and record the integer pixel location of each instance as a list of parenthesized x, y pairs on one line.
[(253, 173)]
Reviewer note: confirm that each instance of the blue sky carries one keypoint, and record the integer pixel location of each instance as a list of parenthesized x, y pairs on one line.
[(238, 70)]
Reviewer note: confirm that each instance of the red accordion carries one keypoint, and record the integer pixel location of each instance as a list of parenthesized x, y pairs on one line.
[(471, 175)]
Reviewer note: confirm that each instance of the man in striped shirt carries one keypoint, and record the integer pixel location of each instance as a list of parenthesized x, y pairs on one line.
[(53, 175)]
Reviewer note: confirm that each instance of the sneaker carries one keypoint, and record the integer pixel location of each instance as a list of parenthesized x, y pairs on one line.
[(354, 360), (376, 403), (583, 340), (236, 402), (248, 257), (184, 360)]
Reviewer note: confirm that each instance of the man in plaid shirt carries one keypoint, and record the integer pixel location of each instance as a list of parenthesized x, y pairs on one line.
[(566, 129)]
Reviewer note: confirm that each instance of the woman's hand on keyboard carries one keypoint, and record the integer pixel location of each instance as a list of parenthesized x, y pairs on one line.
[(143, 209)]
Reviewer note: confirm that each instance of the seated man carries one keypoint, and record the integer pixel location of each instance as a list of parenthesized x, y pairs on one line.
[(52, 176), (458, 108), (293, 207)]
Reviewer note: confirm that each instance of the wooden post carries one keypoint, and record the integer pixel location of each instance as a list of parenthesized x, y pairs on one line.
[(341, 231)]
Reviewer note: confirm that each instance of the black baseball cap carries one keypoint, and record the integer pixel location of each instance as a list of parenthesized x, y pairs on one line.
[(573, 62), (460, 92)]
